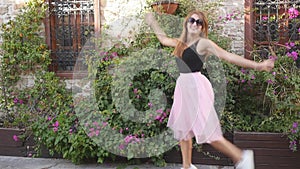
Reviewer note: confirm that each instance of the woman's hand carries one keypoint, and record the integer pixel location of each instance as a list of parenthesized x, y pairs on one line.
[(266, 65), (149, 18)]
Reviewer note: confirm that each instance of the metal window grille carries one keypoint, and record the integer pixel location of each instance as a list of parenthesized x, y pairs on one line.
[(71, 26), (272, 22)]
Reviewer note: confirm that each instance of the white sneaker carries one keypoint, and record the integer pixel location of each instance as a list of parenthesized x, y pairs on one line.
[(192, 167), (247, 161)]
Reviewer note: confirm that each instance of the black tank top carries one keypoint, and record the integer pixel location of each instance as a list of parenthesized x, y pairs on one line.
[(190, 61)]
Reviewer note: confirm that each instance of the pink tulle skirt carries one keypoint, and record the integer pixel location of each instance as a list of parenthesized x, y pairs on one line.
[(193, 113)]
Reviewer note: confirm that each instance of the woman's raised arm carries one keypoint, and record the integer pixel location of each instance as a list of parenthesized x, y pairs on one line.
[(210, 47), (160, 34)]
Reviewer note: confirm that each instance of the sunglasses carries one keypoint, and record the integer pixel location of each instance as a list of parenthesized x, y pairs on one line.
[(198, 21)]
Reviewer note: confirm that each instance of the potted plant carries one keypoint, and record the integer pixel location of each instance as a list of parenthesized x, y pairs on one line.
[(164, 6)]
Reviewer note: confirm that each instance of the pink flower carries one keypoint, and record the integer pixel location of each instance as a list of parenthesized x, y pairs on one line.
[(293, 13), (273, 57), (16, 138), (56, 124), (135, 90), (269, 81), (121, 147), (128, 138), (97, 132), (161, 120), (16, 100), (295, 125), (21, 101), (150, 104), (243, 70), (91, 134), (157, 117), (103, 53), (104, 124), (293, 55), (114, 54), (95, 123), (159, 111), (265, 18), (292, 44), (55, 129)]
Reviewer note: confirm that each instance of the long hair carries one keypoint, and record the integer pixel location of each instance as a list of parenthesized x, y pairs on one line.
[(181, 44)]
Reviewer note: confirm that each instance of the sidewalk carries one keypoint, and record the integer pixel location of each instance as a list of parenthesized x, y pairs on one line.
[(9, 162)]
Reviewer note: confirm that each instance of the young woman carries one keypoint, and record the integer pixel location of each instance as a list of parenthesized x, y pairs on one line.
[(193, 114)]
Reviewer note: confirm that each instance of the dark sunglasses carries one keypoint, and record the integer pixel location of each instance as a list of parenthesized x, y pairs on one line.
[(198, 21)]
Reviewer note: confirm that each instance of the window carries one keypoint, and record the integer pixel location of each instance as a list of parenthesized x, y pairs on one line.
[(267, 21), (70, 25)]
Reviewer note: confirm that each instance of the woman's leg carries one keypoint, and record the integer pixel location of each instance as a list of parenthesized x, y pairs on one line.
[(228, 149), (186, 152), (242, 159)]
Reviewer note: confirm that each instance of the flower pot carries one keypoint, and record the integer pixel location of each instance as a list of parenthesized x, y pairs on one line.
[(165, 7)]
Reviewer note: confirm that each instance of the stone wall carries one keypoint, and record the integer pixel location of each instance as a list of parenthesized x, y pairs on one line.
[(123, 18), (9, 9), (231, 13)]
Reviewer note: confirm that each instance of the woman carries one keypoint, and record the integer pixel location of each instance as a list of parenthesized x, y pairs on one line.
[(193, 113)]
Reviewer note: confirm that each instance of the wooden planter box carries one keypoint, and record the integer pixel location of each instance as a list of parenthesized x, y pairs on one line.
[(8, 146), (20, 148), (271, 151)]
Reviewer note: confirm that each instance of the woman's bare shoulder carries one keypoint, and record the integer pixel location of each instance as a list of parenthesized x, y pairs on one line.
[(203, 45)]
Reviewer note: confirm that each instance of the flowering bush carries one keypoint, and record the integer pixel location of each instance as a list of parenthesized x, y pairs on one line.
[(23, 51), (256, 101), (294, 136), (268, 102)]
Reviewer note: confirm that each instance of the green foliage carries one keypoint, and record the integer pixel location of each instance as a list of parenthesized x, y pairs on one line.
[(23, 49), (143, 73), (262, 101), (23, 52), (142, 104)]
